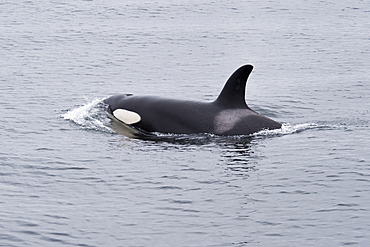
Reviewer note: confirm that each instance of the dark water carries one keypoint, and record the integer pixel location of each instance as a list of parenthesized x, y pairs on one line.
[(67, 179)]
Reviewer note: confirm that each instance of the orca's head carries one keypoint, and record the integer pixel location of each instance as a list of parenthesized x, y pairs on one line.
[(114, 101)]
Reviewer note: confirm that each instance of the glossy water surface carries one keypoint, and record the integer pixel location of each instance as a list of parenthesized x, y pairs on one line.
[(67, 179)]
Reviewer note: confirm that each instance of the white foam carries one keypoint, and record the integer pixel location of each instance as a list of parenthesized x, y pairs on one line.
[(79, 114), (287, 129), (89, 116)]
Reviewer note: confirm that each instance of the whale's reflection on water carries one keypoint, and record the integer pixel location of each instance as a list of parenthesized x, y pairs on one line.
[(236, 152)]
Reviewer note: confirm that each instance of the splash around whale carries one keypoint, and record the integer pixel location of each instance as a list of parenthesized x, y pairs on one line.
[(229, 114)]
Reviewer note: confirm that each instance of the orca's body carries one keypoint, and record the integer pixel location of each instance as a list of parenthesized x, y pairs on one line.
[(227, 115)]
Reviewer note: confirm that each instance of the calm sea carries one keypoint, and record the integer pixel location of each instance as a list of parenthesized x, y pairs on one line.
[(67, 179)]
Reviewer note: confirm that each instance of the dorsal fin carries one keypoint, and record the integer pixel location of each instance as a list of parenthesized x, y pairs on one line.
[(233, 93)]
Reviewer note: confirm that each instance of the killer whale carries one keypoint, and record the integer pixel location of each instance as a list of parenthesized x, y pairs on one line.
[(229, 114)]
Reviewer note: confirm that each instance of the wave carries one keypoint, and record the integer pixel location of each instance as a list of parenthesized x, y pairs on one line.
[(91, 116), (287, 129)]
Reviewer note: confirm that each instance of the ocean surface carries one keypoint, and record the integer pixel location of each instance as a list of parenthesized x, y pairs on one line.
[(68, 179)]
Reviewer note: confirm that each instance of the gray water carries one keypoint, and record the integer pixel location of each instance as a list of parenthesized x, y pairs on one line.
[(67, 179)]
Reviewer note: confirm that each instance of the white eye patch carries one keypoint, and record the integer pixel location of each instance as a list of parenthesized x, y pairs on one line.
[(127, 117)]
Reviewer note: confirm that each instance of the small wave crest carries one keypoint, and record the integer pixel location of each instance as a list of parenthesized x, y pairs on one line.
[(206, 138), (92, 116), (287, 129)]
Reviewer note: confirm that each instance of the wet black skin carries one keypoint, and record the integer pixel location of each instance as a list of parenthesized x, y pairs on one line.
[(227, 115)]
